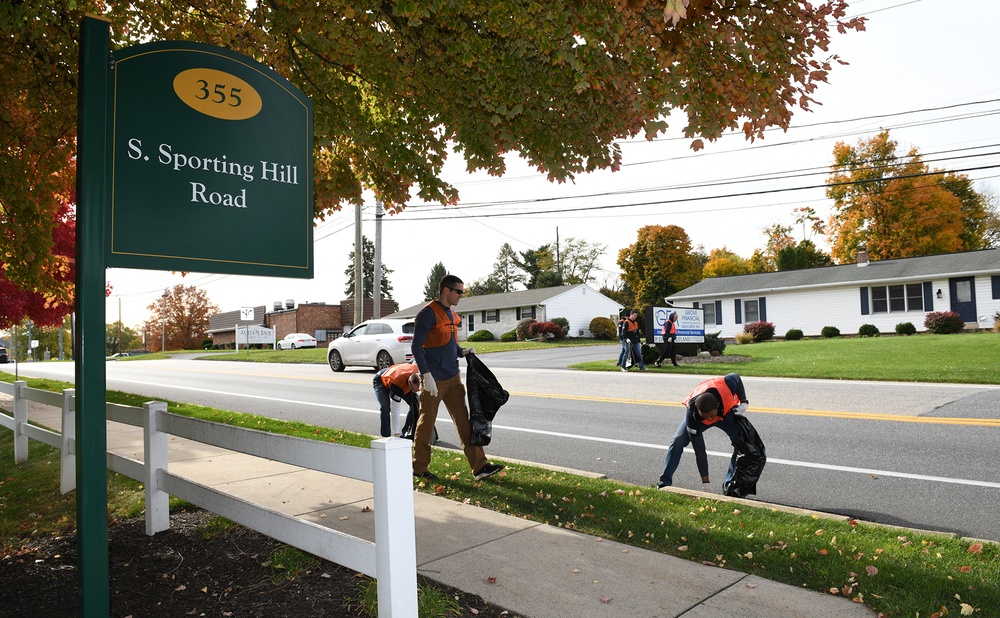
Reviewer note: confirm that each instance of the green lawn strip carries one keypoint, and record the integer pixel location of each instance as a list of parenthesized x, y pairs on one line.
[(897, 572), (965, 358)]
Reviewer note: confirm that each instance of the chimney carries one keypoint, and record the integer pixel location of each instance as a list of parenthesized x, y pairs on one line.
[(862, 257)]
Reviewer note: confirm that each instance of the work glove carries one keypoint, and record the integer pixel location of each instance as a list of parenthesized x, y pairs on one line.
[(430, 386), (742, 408), (467, 351)]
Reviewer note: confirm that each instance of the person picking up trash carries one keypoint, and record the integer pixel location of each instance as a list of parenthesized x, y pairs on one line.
[(716, 402), (436, 352)]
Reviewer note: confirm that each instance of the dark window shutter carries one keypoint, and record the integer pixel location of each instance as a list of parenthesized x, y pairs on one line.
[(762, 308), (995, 280), (929, 294), (864, 302), (518, 312), (739, 310), (484, 315), (718, 312)]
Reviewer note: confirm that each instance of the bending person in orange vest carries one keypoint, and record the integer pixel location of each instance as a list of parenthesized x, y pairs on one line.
[(436, 352), (396, 383), (713, 403)]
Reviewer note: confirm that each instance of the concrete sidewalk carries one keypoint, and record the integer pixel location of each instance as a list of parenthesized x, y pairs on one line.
[(540, 571)]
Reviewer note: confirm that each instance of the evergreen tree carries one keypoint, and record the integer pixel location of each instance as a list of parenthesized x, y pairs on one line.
[(433, 285), (367, 269)]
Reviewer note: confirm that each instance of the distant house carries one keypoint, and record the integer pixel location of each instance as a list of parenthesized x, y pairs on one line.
[(882, 293), (500, 313)]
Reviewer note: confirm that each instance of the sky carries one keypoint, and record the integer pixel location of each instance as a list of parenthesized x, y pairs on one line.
[(925, 69)]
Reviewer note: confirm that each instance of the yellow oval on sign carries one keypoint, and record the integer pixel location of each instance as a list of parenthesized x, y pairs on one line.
[(217, 94)]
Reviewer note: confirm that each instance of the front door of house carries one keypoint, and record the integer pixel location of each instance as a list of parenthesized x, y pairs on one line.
[(963, 297)]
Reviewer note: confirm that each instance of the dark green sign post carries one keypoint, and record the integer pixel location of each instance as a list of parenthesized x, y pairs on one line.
[(191, 158)]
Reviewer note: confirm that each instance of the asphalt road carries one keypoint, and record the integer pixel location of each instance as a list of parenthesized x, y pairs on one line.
[(920, 455)]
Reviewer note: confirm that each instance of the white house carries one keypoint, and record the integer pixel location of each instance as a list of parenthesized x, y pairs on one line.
[(500, 313), (882, 293)]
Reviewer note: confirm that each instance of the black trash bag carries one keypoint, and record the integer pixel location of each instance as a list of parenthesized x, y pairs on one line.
[(750, 460), (485, 398)]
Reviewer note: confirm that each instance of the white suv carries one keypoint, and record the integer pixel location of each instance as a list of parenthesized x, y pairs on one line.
[(375, 343)]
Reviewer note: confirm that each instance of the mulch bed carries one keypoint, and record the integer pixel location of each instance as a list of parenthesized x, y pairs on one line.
[(184, 572)]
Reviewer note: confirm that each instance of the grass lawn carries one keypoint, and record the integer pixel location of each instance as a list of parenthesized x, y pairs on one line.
[(967, 358)]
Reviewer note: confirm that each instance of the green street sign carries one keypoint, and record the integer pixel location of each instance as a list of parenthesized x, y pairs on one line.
[(211, 164)]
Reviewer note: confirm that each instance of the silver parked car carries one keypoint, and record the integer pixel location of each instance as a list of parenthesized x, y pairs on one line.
[(297, 340), (375, 343)]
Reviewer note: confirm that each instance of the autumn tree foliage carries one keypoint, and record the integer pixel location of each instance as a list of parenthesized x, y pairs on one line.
[(396, 86), (47, 296), (896, 206), (723, 262), (658, 264), (185, 313)]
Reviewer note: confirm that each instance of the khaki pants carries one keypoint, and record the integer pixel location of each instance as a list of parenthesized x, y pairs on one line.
[(452, 393)]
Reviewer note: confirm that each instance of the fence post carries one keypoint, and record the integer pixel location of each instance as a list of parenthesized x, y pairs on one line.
[(155, 458), (395, 530), (67, 450), (20, 420)]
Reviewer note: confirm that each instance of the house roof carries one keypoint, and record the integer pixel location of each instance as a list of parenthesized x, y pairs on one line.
[(968, 263), (505, 300), (222, 322)]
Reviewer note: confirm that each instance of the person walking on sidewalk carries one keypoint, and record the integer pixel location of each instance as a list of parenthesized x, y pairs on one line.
[(631, 332), (713, 403), (669, 340), (436, 352)]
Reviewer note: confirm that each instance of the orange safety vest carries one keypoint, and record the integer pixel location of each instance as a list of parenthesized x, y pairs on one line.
[(729, 400), (669, 328), (399, 375), (445, 328)]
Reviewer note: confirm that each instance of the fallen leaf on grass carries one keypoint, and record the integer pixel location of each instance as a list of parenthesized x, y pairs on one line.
[(872, 571), (967, 609), (966, 569), (976, 548)]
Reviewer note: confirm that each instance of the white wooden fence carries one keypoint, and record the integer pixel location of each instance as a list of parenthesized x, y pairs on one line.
[(391, 560)]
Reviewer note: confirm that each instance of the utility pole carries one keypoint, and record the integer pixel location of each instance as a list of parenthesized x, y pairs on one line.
[(358, 270), (558, 259), (377, 268)]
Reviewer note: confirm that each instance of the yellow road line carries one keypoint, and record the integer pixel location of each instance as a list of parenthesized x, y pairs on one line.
[(866, 416)]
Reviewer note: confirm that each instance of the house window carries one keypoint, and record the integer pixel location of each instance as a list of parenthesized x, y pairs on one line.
[(710, 313), (914, 297), (471, 322), (491, 315), (526, 312), (897, 298), (750, 311)]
